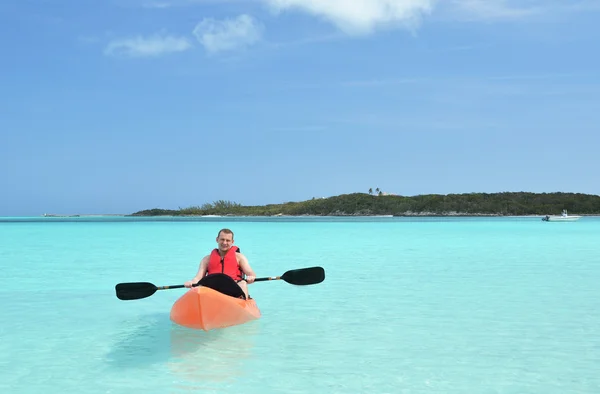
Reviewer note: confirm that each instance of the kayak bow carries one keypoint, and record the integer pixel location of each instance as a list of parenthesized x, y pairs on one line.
[(217, 302)]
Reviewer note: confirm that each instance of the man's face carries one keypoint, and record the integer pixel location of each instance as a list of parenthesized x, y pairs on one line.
[(225, 241)]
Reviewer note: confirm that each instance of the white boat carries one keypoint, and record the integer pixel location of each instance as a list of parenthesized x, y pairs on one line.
[(562, 218)]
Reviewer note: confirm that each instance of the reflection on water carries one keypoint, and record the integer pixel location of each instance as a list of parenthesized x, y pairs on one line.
[(201, 359), (196, 358)]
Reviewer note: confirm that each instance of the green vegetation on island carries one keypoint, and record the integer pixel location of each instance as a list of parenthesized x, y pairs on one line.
[(367, 204)]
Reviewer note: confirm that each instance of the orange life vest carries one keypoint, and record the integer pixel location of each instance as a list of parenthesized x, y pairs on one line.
[(227, 264)]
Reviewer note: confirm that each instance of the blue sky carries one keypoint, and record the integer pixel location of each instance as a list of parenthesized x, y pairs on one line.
[(120, 105)]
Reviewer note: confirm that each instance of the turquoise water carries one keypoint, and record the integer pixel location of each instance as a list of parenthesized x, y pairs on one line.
[(506, 305)]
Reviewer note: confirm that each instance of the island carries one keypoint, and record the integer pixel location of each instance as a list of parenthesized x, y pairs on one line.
[(384, 204)]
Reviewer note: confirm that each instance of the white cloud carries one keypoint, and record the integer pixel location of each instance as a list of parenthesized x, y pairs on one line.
[(515, 10), (156, 45), (361, 17), (498, 9), (228, 34), (351, 17)]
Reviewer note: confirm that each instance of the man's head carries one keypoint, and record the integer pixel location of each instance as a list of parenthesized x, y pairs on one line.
[(225, 239)]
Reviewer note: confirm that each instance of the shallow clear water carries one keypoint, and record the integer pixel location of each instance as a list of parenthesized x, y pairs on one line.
[(408, 306)]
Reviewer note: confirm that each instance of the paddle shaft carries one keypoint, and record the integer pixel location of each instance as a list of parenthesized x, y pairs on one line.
[(267, 278), (173, 287), (196, 284), (169, 287)]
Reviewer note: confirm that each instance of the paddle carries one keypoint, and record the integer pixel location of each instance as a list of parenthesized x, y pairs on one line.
[(298, 277)]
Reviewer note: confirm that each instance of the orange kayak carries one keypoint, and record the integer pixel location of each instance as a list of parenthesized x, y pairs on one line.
[(216, 302)]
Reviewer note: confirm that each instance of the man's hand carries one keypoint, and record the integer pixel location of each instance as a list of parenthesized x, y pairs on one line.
[(250, 279)]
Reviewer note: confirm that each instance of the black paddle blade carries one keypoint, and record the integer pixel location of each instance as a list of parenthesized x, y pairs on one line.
[(135, 290), (304, 276)]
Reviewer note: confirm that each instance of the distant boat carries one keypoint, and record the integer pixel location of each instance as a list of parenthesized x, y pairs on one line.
[(562, 218)]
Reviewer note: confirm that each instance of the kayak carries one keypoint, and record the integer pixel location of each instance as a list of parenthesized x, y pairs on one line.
[(216, 302)]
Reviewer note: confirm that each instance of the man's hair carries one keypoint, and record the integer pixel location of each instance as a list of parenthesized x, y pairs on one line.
[(226, 231)]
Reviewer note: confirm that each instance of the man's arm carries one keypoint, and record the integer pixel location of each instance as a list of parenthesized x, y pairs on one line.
[(246, 269), (201, 272)]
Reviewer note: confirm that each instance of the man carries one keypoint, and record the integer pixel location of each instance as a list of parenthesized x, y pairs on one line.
[(226, 259)]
